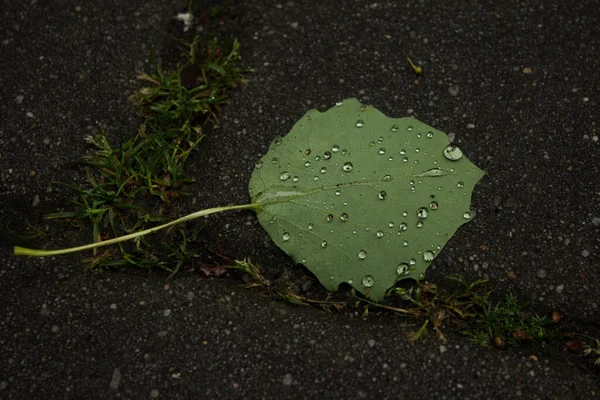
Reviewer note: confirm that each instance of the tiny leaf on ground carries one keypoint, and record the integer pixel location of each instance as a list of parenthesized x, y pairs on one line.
[(362, 198)]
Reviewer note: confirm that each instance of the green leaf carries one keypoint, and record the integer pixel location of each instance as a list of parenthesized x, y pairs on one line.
[(362, 198)]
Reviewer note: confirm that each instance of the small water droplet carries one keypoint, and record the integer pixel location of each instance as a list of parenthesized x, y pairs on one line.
[(360, 123), (344, 217), (286, 236), (273, 219), (429, 134), (277, 141), (362, 254), (295, 179), (437, 171), (339, 103), (467, 215), (405, 159), (402, 152), (380, 140), (403, 226), (345, 203), (335, 148), (324, 243), (419, 224), (382, 151), (460, 184), (387, 178), (405, 214), (316, 178), (372, 144), (409, 128), (422, 213), (330, 218), (323, 170), (453, 153), (275, 160), (310, 227), (327, 155), (379, 234), (390, 158), (363, 107), (412, 261), (418, 135), (391, 224), (405, 243), (338, 192), (284, 176), (307, 164), (382, 195), (428, 255), (344, 152), (351, 281), (307, 152), (402, 269), (368, 281), (258, 165), (317, 158), (347, 166), (433, 205)]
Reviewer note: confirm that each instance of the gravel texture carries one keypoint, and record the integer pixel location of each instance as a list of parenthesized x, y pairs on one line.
[(516, 83)]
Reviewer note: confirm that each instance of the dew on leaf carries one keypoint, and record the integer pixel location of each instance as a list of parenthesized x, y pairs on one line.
[(387, 178), (327, 155), (347, 166), (372, 144), (405, 159), (338, 192), (351, 281), (390, 158), (382, 195), (335, 148), (412, 261), (391, 224), (307, 152), (402, 152), (344, 152), (258, 164), (422, 213), (409, 128), (316, 178), (420, 224), (453, 153), (307, 164), (433, 172), (429, 134), (344, 217), (467, 215), (330, 217), (286, 236), (275, 160), (460, 184), (433, 205), (403, 226), (339, 103), (405, 243), (380, 234), (428, 255), (317, 158), (368, 281), (382, 151), (360, 123), (362, 254), (323, 170), (310, 227), (295, 179), (402, 269), (405, 214), (277, 141), (324, 243), (363, 107), (394, 128), (284, 176)]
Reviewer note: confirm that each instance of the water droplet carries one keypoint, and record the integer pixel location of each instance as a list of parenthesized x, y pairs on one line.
[(363, 107), (453, 153), (316, 178), (405, 214), (429, 134), (307, 152), (422, 213), (273, 219), (345, 203), (323, 170), (351, 281), (405, 159), (284, 176), (307, 164), (412, 261), (419, 224), (391, 224), (362, 254), (344, 217), (295, 179), (368, 281), (372, 144), (387, 178), (360, 123), (317, 158), (277, 141), (382, 151), (258, 165), (286, 236), (402, 226), (324, 243), (330, 217), (339, 103), (344, 152), (310, 227), (418, 135), (347, 166), (275, 160), (428, 255), (405, 243), (437, 171), (433, 205), (380, 140), (338, 192), (379, 234), (460, 184), (394, 128), (467, 215), (402, 152), (382, 195), (402, 269), (409, 128), (326, 155), (335, 148)]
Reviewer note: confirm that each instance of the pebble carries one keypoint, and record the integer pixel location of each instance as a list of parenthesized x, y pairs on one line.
[(560, 288), (596, 220), (541, 273), (371, 342), (585, 253), (154, 393), (287, 379), (116, 379)]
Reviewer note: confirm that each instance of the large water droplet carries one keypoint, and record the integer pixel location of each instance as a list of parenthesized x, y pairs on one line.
[(327, 155), (347, 166), (335, 148), (402, 152), (338, 192), (387, 178), (360, 123), (402, 269), (382, 151), (453, 153), (286, 236), (284, 176), (422, 213), (379, 234), (344, 217), (368, 281), (433, 172), (362, 254), (391, 224), (428, 255), (382, 195)]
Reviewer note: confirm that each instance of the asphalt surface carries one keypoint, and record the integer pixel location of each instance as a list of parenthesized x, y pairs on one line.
[(516, 82)]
